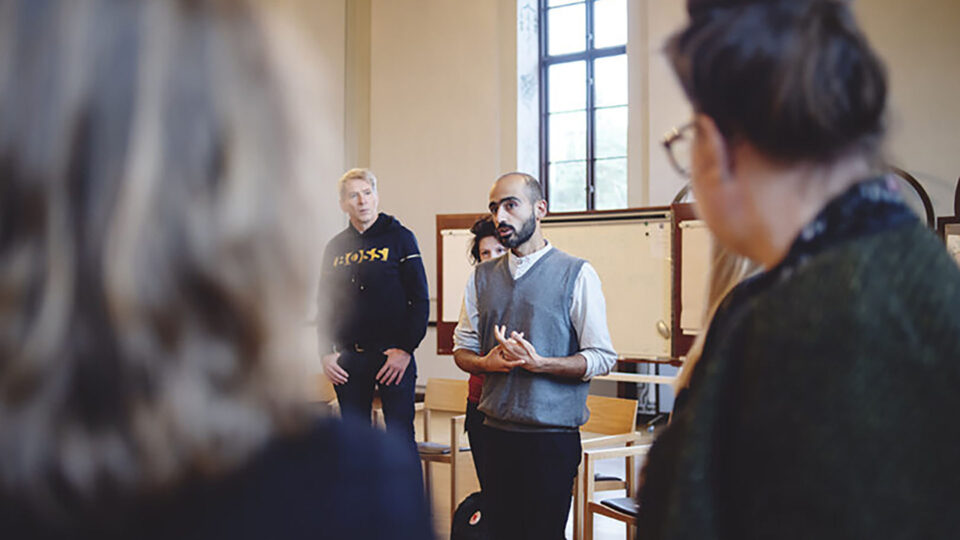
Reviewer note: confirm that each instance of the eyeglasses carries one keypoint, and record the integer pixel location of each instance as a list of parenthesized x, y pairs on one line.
[(679, 143)]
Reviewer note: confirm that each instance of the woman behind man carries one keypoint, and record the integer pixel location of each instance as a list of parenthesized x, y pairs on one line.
[(151, 289), (822, 404), (485, 246)]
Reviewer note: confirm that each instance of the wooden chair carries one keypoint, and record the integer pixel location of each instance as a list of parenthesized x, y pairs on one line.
[(446, 395), (623, 508), (321, 394), (612, 423)]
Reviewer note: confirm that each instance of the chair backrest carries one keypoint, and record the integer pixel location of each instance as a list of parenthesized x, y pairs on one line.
[(610, 416), (446, 395), (322, 390)]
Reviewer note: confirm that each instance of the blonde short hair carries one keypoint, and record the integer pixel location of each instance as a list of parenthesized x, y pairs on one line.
[(356, 174)]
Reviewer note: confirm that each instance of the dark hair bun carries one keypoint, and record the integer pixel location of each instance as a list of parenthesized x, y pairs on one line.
[(696, 7), (481, 229), (796, 78), (700, 7)]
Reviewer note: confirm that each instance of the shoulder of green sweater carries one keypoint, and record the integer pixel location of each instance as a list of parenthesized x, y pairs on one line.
[(895, 284), (872, 269)]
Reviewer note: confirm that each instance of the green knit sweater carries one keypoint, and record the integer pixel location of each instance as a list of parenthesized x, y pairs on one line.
[(823, 406)]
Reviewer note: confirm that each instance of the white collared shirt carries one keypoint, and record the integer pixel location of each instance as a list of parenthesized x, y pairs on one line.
[(588, 313)]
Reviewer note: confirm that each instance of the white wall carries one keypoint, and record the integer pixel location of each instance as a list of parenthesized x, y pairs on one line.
[(442, 117), (666, 105), (309, 36), (920, 44)]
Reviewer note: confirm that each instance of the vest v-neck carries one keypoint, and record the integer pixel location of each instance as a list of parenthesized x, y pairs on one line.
[(518, 267)]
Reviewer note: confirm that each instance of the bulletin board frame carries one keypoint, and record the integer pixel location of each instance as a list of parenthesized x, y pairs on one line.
[(448, 222), (681, 342), (948, 227)]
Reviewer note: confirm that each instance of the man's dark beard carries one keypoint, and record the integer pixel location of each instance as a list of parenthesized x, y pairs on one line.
[(519, 238)]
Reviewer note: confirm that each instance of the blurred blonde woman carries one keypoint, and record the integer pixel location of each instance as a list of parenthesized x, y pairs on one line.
[(150, 289), (727, 270)]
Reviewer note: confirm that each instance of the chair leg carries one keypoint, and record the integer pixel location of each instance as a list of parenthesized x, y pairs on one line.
[(427, 481), (587, 485), (454, 461), (632, 483), (578, 503), (587, 525), (632, 477), (453, 490)]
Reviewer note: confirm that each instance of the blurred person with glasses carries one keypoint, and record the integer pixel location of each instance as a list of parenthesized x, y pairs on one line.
[(790, 426), (678, 143)]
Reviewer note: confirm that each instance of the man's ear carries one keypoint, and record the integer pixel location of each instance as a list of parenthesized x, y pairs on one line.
[(540, 209)]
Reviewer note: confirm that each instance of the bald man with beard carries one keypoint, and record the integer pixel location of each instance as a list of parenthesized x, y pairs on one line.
[(534, 322)]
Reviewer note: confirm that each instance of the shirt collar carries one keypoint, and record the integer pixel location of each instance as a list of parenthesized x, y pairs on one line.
[(378, 224), (520, 264)]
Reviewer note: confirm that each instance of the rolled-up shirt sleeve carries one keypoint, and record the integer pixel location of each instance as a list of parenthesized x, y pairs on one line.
[(465, 335), (588, 313)]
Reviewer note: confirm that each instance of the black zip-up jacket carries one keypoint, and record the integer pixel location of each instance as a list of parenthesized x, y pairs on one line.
[(373, 289)]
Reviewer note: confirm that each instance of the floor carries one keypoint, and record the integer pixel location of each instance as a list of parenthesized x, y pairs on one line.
[(604, 528)]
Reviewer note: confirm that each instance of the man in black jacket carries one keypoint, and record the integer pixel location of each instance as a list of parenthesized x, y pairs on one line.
[(373, 297)]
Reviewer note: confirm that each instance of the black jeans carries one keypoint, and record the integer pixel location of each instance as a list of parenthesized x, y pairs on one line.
[(529, 482), (356, 395), (476, 432)]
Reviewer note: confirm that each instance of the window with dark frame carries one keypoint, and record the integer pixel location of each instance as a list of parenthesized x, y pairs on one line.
[(583, 104)]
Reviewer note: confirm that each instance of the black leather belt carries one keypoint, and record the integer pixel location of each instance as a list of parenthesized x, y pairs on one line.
[(361, 347)]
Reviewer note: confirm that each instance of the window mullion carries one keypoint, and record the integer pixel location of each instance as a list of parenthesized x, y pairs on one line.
[(591, 112), (544, 117)]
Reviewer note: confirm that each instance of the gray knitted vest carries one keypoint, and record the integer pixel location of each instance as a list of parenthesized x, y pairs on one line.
[(537, 304)]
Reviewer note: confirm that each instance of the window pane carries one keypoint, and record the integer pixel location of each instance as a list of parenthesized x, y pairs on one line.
[(568, 186), (610, 80), (568, 136), (609, 23), (566, 29), (612, 132), (567, 86), (611, 180), (554, 3)]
